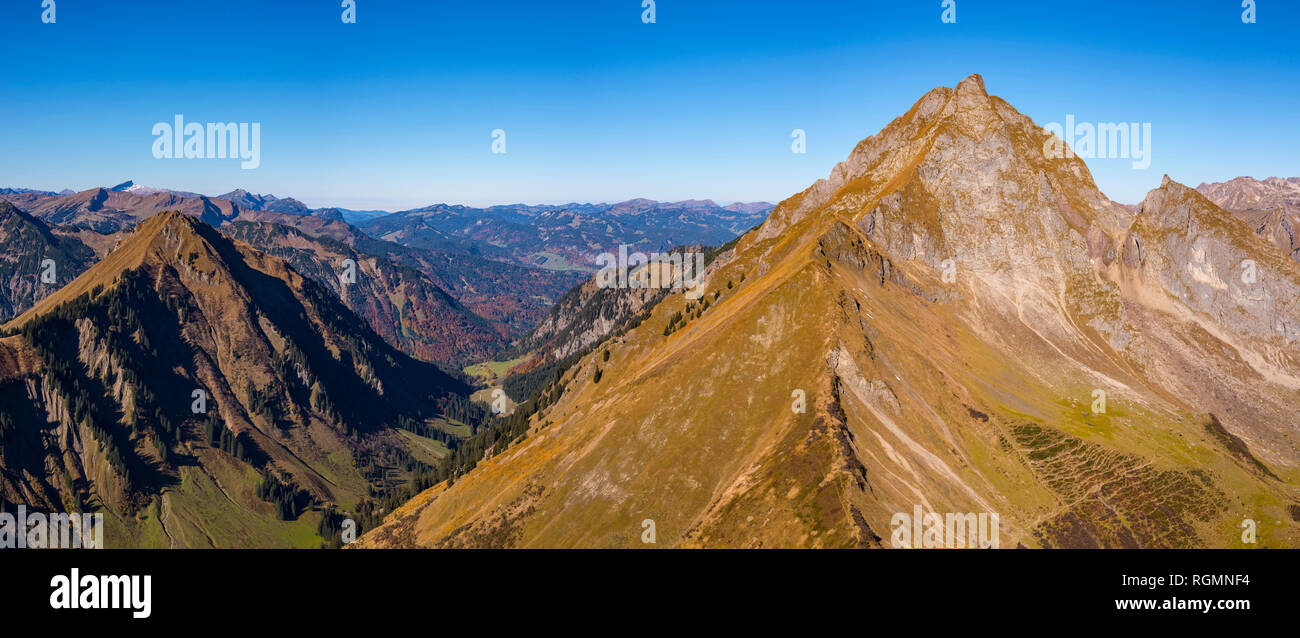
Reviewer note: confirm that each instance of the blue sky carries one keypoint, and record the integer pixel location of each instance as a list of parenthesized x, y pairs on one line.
[(397, 110)]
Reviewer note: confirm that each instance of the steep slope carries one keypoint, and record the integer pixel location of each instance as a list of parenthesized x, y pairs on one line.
[(591, 311), (103, 382), (597, 310), (1227, 342), (402, 305), (1271, 207), (27, 245), (956, 320)]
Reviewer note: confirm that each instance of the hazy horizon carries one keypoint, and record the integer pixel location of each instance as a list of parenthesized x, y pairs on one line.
[(560, 202), (398, 110), (280, 195)]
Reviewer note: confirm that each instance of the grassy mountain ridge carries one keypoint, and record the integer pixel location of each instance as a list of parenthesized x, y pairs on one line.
[(953, 319), (301, 399)]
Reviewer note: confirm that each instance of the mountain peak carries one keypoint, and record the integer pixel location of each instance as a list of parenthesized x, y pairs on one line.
[(169, 237), (1175, 198), (955, 293), (173, 219), (972, 85), (946, 153)]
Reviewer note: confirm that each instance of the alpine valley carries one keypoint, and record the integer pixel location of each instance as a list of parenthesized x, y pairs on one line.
[(953, 321), (244, 371)]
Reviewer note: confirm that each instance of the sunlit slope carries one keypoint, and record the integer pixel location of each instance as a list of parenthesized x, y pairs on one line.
[(953, 302)]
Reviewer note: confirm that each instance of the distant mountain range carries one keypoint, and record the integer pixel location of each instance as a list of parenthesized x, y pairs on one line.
[(573, 235), (249, 201), (501, 267), (511, 296), (105, 210), (557, 237)]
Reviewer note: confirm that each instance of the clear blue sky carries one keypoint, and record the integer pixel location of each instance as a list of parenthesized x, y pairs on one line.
[(397, 110)]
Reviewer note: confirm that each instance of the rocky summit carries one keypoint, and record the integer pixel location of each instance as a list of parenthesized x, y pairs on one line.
[(954, 321)]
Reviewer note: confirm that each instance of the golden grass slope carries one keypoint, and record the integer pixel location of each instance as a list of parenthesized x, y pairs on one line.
[(963, 394)]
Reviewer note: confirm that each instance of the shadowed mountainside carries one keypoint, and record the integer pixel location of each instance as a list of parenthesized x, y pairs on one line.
[(201, 393), (31, 249)]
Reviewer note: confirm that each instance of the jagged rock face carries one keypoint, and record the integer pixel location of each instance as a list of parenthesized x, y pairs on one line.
[(977, 160), (965, 177), (1202, 256), (585, 316), (1227, 340), (28, 243), (1053, 372), (1244, 193), (1270, 207), (293, 385)]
